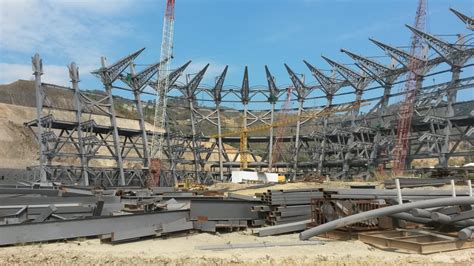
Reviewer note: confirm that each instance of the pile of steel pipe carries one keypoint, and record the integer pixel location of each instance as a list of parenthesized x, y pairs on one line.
[(462, 218), (407, 194)]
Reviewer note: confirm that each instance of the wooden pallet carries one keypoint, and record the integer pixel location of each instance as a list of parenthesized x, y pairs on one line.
[(420, 241)]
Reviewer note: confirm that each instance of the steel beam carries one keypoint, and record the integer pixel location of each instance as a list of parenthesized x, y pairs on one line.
[(38, 232), (214, 210)]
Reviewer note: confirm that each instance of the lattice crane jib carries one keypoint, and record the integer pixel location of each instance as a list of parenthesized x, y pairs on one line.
[(161, 92), (245, 131), (406, 109)]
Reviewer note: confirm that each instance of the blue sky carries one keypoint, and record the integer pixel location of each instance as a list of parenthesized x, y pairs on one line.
[(220, 32)]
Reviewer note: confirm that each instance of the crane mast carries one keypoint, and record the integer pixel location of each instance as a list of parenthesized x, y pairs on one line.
[(285, 110), (406, 109), (159, 121)]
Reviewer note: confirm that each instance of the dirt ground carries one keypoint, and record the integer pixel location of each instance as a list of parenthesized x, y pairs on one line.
[(246, 189), (181, 250)]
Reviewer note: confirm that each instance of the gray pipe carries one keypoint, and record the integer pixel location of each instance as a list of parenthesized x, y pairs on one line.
[(411, 218), (383, 212), (466, 233), (439, 217), (405, 192), (423, 220), (443, 218), (426, 213), (421, 213)]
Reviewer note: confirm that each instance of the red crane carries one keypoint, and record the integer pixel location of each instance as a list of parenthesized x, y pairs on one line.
[(280, 131), (406, 109)]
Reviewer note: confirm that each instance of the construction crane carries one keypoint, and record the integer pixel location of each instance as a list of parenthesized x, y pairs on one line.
[(406, 110), (276, 151), (159, 121), (244, 131)]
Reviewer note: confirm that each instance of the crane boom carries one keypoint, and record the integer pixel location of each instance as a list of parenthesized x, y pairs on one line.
[(406, 109), (281, 130), (159, 121)]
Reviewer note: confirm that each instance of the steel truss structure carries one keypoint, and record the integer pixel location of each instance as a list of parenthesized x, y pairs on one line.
[(342, 146)]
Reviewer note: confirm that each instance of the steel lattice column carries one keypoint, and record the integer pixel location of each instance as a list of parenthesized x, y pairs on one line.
[(329, 86), (74, 75), (302, 91), (217, 94), (190, 91), (37, 72), (109, 74), (385, 76), (272, 99), (113, 123), (456, 56)]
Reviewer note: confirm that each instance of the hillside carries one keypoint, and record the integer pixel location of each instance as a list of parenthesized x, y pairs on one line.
[(22, 92), (18, 147)]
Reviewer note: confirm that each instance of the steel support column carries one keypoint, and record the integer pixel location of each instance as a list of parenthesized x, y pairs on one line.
[(297, 139), (115, 134), (39, 94), (272, 99), (74, 75)]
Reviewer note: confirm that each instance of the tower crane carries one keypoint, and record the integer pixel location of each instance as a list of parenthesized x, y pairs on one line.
[(244, 131), (159, 121)]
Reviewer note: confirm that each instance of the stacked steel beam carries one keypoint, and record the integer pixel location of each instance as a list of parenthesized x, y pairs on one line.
[(209, 214), (290, 196), (286, 206), (31, 214)]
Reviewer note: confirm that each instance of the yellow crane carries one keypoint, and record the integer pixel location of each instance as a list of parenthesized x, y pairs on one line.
[(244, 131)]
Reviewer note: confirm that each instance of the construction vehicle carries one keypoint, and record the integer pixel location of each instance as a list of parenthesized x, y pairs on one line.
[(244, 131)]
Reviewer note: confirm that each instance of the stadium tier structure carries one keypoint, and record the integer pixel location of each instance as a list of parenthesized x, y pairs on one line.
[(343, 145)]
